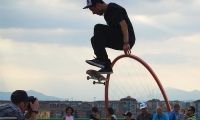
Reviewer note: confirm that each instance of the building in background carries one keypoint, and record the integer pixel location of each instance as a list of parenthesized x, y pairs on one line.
[(43, 114), (127, 104), (196, 104), (82, 109)]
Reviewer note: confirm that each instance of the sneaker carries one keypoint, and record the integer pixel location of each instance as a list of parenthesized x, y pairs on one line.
[(106, 71), (96, 62)]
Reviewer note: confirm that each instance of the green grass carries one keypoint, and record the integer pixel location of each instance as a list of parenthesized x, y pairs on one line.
[(86, 119), (76, 119)]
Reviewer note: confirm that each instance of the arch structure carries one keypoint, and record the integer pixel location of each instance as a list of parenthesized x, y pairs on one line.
[(148, 68)]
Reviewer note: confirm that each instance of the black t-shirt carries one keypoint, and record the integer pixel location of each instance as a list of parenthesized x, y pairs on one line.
[(93, 118), (147, 117), (114, 15)]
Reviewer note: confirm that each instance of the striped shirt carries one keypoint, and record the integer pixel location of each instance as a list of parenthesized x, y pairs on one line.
[(11, 110)]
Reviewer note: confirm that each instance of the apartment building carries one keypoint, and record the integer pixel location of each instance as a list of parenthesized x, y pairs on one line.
[(196, 104), (56, 109)]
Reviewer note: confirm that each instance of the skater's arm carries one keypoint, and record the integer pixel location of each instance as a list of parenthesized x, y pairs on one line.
[(124, 29)]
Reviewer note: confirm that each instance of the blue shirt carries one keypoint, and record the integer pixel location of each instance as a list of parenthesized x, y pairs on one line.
[(173, 115), (164, 116)]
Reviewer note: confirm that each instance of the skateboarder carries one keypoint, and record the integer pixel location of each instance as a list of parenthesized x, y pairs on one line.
[(118, 34)]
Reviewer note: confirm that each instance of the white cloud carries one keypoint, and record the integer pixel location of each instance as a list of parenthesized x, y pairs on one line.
[(20, 31), (57, 36), (184, 45), (44, 44), (157, 21), (39, 67)]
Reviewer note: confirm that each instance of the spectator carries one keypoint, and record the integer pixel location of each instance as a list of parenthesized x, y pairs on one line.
[(108, 117), (144, 115), (94, 115), (19, 104), (182, 115), (190, 113), (69, 114), (160, 115), (128, 116), (173, 115), (110, 114)]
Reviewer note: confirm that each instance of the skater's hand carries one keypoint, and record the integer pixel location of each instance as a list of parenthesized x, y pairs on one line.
[(127, 49)]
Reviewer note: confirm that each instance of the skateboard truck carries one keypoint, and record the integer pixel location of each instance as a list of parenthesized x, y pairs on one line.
[(94, 82), (95, 78)]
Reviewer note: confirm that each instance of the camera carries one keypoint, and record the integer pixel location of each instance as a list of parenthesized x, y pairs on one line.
[(32, 100)]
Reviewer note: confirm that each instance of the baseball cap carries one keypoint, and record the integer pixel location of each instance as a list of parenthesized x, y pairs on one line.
[(127, 114), (19, 96), (143, 105), (92, 3)]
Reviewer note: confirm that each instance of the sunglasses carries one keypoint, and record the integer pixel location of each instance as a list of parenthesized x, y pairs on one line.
[(189, 110)]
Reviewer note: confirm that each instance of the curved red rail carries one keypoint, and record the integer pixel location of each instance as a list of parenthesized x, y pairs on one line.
[(148, 68)]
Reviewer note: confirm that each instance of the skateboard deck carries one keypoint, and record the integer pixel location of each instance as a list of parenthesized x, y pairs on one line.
[(95, 75)]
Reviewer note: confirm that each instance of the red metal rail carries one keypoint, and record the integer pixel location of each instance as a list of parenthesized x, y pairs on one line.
[(148, 68)]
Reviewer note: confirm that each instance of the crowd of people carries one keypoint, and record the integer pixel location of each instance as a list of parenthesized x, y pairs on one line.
[(175, 114), (25, 107), (94, 114)]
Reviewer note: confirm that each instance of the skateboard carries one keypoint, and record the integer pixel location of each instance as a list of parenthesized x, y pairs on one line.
[(95, 75)]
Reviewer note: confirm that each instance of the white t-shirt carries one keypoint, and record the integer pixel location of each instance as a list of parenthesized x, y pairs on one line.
[(69, 118)]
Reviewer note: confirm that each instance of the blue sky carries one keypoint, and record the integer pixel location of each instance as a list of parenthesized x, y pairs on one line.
[(44, 44)]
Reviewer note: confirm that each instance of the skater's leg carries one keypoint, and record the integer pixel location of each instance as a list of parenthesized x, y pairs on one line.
[(105, 36), (98, 42)]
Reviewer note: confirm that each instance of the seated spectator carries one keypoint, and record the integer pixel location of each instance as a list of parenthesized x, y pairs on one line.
[(173, 115), (144, 115), (190, 113), (108, 117), (69, 114), (19, 104), (128, 116), (160, 115), (110, 114), (94, 115)]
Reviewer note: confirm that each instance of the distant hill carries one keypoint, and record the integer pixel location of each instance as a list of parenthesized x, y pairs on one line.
[(177, 94), (172, 93), (40, 96)]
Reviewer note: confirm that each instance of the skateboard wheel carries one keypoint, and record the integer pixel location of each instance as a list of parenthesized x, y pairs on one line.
[(88, 77), (94, 82)]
